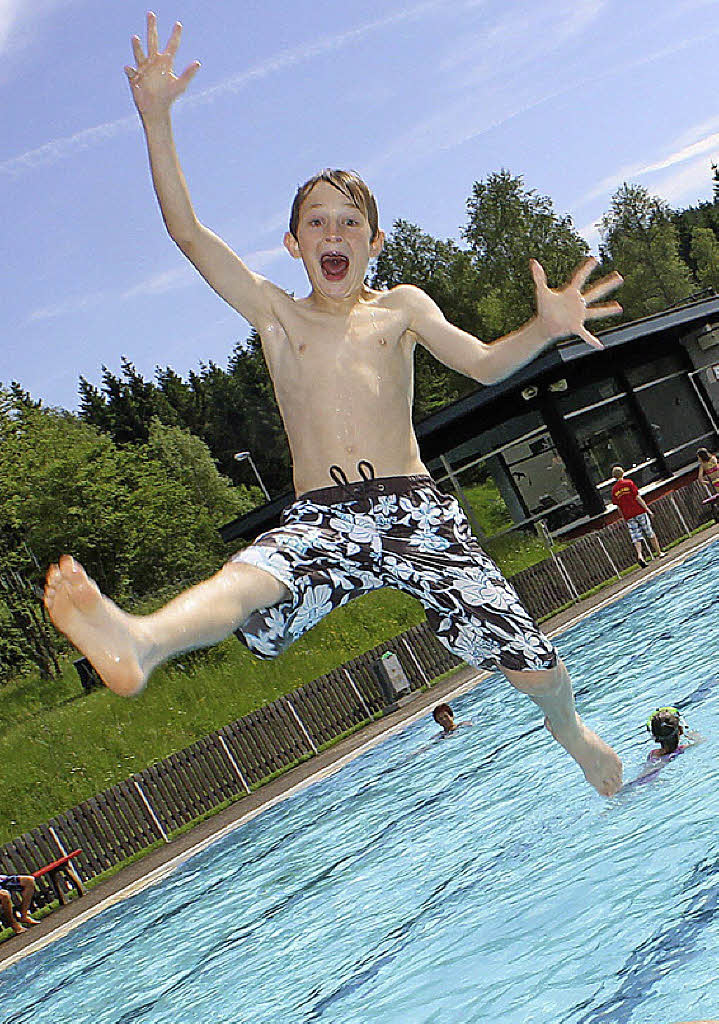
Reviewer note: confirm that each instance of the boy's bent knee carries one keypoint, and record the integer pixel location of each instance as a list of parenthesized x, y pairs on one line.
[(260, 588)]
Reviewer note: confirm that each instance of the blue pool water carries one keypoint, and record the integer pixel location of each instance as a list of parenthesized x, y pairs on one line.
[(477, 879)]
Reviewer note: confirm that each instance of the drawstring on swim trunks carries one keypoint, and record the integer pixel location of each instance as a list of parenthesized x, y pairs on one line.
[(365, 470)]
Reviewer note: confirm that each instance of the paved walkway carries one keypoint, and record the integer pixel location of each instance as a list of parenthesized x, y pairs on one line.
[(158, 863)]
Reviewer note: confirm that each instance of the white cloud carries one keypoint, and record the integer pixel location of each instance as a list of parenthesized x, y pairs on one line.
[(677, 189), (56, 149), (75, 304), (163, 281), (156, 284), (700, 150), (262, 258), (18, 20)]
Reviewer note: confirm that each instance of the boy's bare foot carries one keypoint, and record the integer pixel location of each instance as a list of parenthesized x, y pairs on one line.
[(109, 638), (601, 766), (28, 920)]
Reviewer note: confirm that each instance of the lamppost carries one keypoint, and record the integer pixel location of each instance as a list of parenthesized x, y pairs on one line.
[(240, 457)]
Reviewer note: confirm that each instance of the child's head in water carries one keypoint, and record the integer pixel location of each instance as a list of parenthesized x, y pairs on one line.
[(444, 716), (666, 728)]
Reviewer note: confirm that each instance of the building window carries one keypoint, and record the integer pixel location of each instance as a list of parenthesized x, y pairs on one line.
[(679, 423), (609, 435), (579, 397)]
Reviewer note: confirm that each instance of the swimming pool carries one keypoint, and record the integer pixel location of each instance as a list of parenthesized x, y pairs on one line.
[(474, 879)]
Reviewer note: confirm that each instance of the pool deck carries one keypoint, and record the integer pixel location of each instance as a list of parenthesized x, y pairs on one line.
[(160, 862)]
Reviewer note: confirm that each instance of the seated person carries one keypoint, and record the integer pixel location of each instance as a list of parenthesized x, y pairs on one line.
[(444, 716), (24, 884)]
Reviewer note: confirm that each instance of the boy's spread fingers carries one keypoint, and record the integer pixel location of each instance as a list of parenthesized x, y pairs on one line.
[(189, 73), (174, 40), (608, 309), (590, 339), (538, 273), (604, 287), (152, 42), (137, 51), (583, 271)]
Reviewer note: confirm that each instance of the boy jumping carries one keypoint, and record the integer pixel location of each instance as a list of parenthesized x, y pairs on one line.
[(367, 512)]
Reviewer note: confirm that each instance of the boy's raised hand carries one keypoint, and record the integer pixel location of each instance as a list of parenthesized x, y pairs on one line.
[(153, 83), (563, 311)]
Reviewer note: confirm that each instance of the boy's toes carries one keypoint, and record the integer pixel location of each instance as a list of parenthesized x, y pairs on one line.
[(69, 568), (53, 576)]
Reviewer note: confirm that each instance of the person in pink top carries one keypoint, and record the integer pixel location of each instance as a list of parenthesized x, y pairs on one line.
[(635, 512), (708, 469)]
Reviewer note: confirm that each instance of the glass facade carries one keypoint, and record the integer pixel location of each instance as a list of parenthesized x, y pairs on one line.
[(513, 472), (678, 421)]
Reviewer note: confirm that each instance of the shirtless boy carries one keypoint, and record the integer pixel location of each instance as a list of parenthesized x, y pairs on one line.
[(368, 514)]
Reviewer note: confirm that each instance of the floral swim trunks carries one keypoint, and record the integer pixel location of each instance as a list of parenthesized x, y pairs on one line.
[(337, 543)]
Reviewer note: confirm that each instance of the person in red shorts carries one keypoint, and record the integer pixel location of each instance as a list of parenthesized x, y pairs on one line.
[(635, 512)]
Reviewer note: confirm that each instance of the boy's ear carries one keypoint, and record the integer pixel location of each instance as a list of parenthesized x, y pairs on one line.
[(292, 245), (376, 245)]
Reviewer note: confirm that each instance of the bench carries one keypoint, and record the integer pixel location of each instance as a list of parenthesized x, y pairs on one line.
[(59, 868)]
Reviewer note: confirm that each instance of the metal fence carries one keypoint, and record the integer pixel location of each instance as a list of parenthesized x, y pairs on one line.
[(152, 804)]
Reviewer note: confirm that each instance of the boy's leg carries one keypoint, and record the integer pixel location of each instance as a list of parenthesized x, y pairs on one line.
[(123, 648), (654, 541), (551, 690)]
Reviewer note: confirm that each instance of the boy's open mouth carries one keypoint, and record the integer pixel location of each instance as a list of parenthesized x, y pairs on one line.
[(334, 265)]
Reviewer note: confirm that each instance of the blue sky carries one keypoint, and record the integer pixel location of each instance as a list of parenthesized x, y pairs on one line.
[(421, 98)]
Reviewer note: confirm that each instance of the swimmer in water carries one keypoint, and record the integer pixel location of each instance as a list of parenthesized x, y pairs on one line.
[(444, 716), (667, 728), (367, 513)]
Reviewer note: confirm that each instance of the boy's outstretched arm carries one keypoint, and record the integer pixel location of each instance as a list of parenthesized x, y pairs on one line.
[(561, 312), (154, 88)]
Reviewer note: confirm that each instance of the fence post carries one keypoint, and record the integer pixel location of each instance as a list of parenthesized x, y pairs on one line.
[(609, 557), (150, 808), (301, 724), (55, 836), (410, 652), (682, 520), (233, 762), (356, 689), (569, 582)]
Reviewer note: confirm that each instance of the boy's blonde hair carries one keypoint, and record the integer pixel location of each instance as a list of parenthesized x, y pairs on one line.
[(350, 185)]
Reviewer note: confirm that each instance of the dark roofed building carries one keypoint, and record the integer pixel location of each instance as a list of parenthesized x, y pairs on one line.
[(550, 434)]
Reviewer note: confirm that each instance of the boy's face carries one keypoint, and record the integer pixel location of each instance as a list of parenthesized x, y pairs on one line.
[(333, 241)]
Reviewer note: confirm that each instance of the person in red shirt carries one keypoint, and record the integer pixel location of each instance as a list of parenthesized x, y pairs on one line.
[(635, 512)]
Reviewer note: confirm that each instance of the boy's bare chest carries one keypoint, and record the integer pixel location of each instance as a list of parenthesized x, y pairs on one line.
[(312, 347)]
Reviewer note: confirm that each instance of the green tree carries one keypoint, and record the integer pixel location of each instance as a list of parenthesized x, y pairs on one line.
[(187, 459), (507, 225), (446, 273), (230, 410), (705, 255), (640, 239), (127, 512)]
